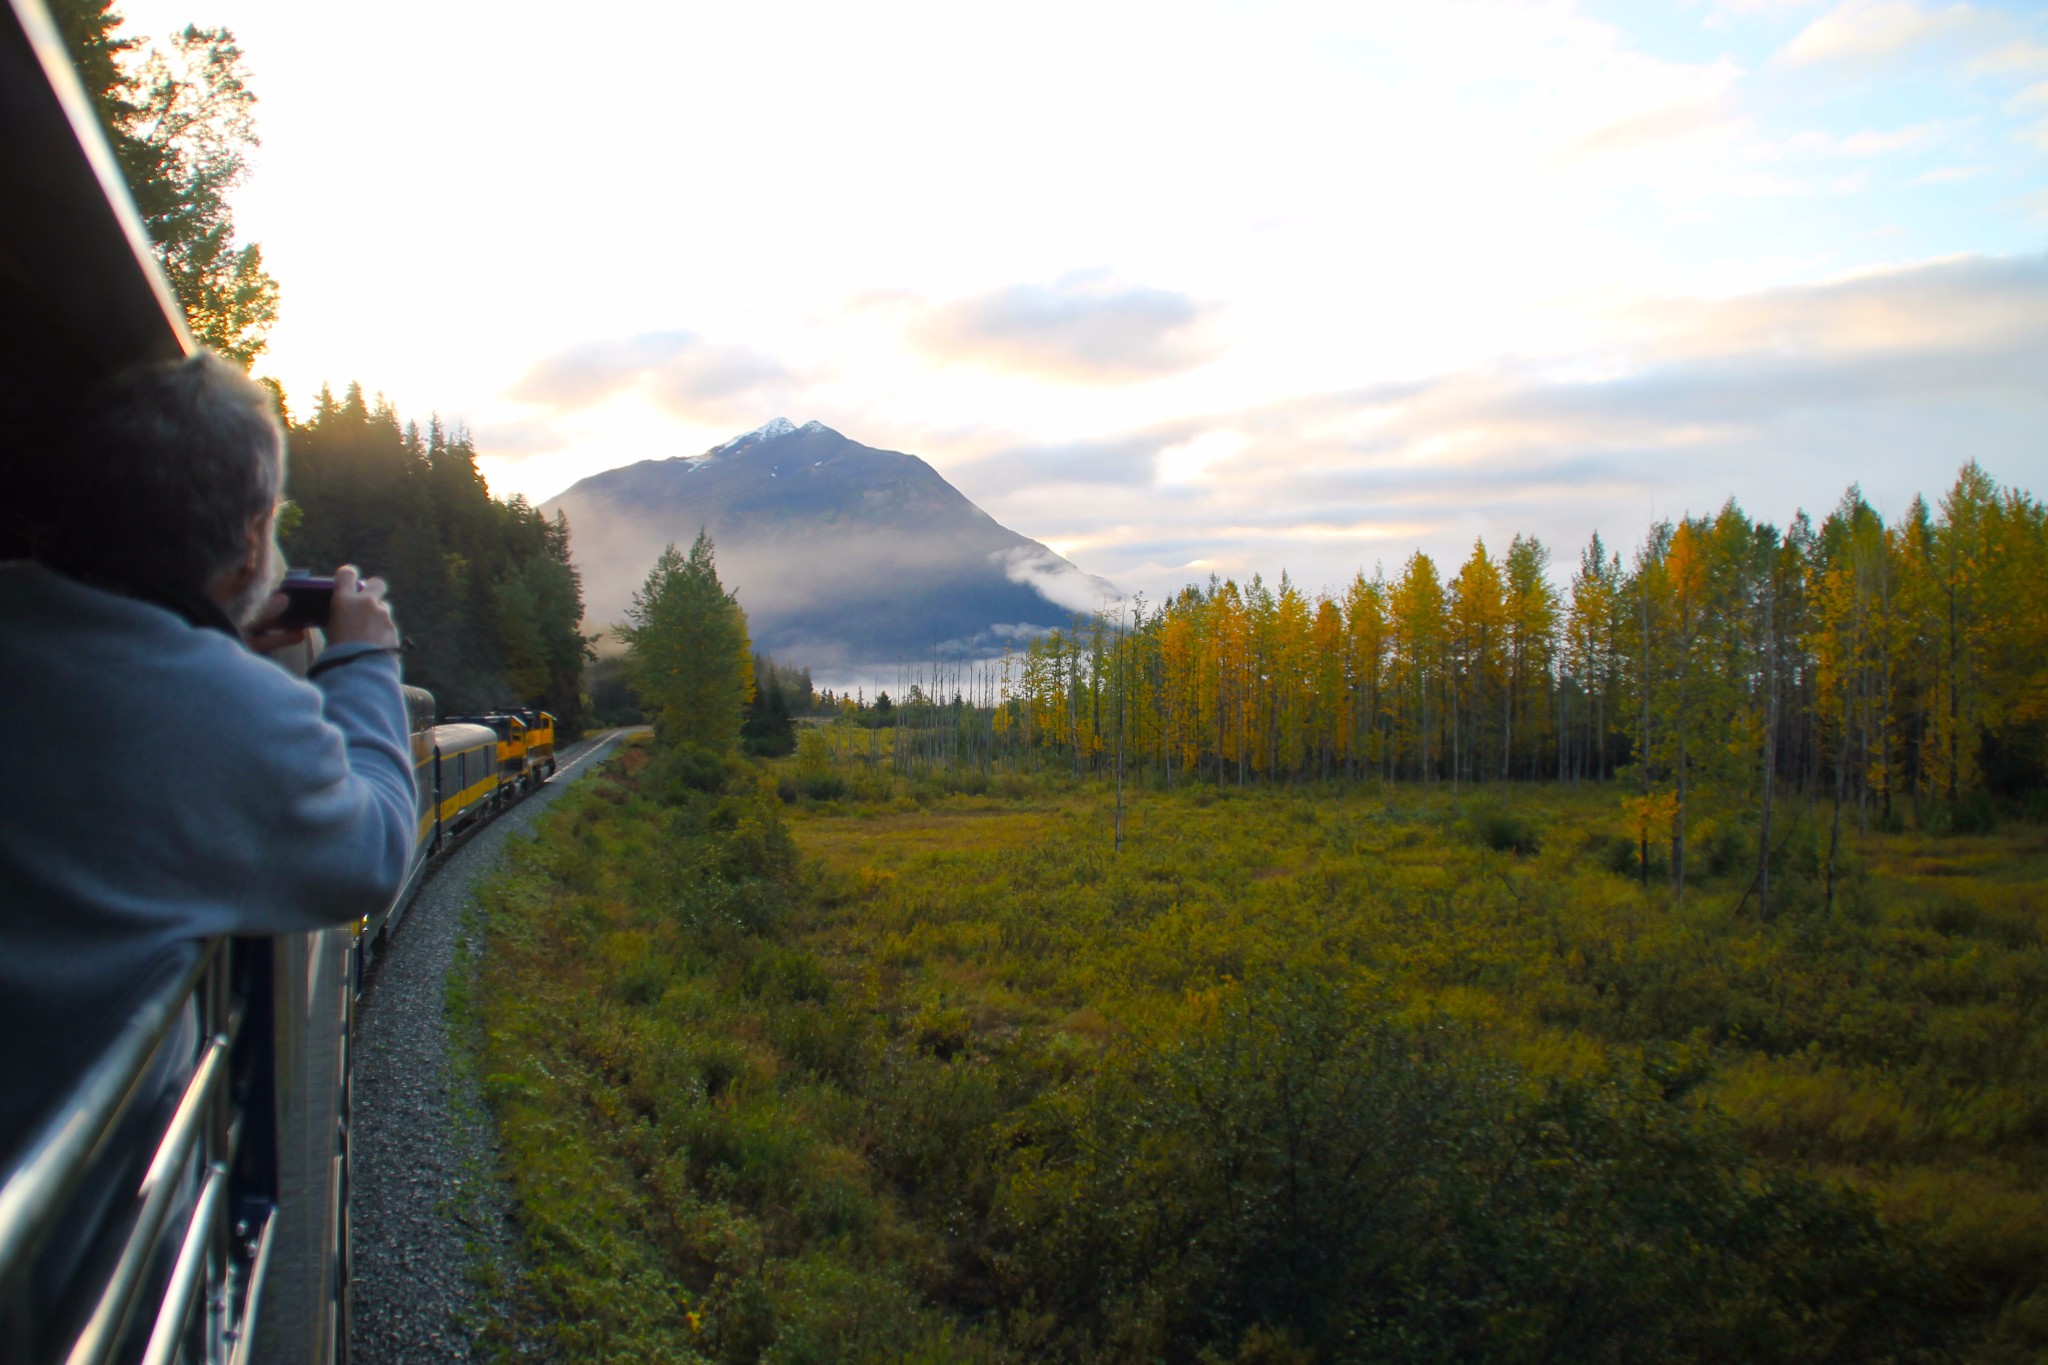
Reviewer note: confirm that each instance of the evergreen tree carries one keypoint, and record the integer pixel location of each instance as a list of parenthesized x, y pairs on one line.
[(486, 591), (768, 730), (179, 121), (687, 653)]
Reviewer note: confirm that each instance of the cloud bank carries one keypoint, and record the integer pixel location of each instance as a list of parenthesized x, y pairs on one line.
[(1083, 329), (680, 372), (1782, 398)]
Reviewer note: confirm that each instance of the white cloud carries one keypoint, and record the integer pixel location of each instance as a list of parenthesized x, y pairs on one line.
[(1081, 329), (1872, 142), (1951, 175), (680, 371), (1868, 33), (1649, 129), (1779, 398), (1058, 581)]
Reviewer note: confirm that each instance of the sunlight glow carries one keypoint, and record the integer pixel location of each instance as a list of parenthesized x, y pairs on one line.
[(1309, 260)]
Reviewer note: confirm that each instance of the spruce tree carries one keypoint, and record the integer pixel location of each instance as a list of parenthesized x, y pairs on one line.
[(687, 653)]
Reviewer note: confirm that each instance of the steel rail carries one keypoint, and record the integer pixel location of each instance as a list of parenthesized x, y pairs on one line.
[(189, 1275), (243, 1333), (54, 1162), (103, 1330)]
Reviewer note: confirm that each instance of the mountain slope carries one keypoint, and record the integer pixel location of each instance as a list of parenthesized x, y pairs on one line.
[(845, 557)]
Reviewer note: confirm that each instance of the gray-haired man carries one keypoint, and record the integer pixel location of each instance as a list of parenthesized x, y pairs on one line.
[(166, 784)]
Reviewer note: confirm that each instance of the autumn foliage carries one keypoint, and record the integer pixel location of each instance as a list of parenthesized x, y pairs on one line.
[(1900, 668)]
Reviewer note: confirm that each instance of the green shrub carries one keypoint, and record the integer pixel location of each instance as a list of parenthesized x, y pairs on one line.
[(1727, 849), (1302, 1162), (1611, 852), (1493, 826)]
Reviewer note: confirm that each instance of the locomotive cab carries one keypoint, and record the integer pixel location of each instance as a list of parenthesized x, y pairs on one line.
[(513, 773), (540, 746)]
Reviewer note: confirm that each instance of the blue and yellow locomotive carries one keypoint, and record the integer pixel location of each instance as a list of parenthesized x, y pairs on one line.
[(464, 770)]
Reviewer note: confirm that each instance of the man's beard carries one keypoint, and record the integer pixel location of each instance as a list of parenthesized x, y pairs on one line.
[(249, 603)]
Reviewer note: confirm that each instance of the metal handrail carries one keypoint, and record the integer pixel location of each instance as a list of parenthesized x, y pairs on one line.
[(241, 1336), (189, 1276), (41, 1187), (117, 1302), (53, 1162)]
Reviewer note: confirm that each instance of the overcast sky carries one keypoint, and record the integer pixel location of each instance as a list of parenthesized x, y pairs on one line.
[(1183, 287)]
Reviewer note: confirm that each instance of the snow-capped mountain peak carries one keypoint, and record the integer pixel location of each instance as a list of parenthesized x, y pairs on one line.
[(768, 431)]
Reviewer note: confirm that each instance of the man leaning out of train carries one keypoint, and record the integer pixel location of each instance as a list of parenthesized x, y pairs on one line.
[(166, 783)]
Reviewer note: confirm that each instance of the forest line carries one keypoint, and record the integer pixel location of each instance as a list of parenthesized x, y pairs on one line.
[(486, 590), (1900, 669)]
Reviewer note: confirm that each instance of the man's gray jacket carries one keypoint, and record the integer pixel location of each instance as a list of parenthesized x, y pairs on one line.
[(163, 785)]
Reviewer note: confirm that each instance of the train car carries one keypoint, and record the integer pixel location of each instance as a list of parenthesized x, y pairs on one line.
[(513, 778), (468, 767), (419, 714), (419, 710), (128, 1231)]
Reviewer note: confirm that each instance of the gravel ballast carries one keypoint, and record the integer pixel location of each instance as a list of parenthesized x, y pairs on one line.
[(430, 1225)]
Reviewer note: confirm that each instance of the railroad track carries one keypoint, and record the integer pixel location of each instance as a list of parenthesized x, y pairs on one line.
[(424, 1198)]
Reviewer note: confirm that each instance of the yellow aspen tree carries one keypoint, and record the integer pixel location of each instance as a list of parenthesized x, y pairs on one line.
[(1332, 747), (1478, 626), (1418, 631), (1589, 644), (1366, 635), (1181, 683), (1531, 620), (1290, 680), (1644, 604), (1962, 552), (1686, 571)]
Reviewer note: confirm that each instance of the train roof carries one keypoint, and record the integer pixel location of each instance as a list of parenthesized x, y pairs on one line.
[(81, 295), (456, 735), (501, 721)]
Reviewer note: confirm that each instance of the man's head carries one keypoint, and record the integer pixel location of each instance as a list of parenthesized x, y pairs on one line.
[(168, 487)]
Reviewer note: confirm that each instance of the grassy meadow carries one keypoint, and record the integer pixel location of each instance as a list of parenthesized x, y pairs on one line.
[(801, 1064)]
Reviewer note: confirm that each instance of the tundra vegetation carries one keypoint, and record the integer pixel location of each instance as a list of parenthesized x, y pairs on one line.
[(927, 1043)]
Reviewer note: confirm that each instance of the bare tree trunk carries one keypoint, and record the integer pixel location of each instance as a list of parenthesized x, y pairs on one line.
[(1507, 726), (1643, 754), (1954, 711), (1841, 777), (1457, 741), (1863, 760), (1563, 730), (1119, 731), (1763, 838), (1600, 734), (1678, 832)]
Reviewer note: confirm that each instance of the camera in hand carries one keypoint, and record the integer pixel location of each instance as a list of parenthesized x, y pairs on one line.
[(311, 598)]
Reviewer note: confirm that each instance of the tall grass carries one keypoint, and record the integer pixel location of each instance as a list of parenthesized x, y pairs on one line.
[(909, 1070)]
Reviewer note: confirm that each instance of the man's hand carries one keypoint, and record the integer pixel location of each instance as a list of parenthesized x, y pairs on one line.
[(360, 613), (265, 635)]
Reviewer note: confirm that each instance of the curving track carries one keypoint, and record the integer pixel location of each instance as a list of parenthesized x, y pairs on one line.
[(425, 1206)]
